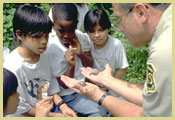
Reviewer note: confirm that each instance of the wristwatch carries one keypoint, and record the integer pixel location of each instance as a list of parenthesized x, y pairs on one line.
[(102, 98), (60, 103)]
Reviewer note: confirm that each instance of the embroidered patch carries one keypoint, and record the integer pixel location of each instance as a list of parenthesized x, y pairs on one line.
[(150, 79)]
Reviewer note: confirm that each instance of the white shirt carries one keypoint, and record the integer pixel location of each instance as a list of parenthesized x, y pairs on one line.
[(113, 53), (57, 51), (30, 77), (6, 51), (82, 10)]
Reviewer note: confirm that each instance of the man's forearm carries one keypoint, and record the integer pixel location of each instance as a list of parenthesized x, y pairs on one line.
[(121, 108), (132, 92), (120, 73)]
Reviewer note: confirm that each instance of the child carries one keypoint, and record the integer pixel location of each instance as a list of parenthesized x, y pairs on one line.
[(82, 10), (104, 48), (29, 62), (6, 51), (10, 96), (69, 51)]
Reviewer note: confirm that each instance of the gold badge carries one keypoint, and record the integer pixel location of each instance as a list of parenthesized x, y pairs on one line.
[(150, 79)]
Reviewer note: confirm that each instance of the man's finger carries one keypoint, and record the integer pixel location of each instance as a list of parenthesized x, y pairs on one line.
[(71, 83), (107, 66), (86, 70)]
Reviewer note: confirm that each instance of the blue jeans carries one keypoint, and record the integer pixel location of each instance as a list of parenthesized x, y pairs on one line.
[(82, 105)]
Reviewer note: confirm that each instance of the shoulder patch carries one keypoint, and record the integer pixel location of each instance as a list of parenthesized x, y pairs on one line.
[(150, 85)]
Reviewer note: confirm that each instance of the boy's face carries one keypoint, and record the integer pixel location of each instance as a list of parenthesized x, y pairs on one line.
[(99, 36), (65, 30), (37, 44)]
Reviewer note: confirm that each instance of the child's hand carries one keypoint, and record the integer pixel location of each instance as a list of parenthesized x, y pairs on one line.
[(58, 115), (77, 45), (70, 55), (67, 111), (43, 107)]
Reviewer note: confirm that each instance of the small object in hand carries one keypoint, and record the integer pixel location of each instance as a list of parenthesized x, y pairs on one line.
[(82, 83), (94, 72), (44, 90)]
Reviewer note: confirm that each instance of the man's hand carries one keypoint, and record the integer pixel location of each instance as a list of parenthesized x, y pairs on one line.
[(90, 90), (102, 77)]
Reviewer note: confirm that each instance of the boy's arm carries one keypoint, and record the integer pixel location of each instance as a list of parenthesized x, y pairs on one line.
[(31, 113), (70, 73), (86, 59), (120, 73), (66, 111), (61, 62), (84, 55), (63, 107), (70, 57)]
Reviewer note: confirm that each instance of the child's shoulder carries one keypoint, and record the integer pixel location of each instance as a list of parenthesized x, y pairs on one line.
[(13, 56), (13, 61), (114, 41), (78, 32), (54, 49), (82, 36)]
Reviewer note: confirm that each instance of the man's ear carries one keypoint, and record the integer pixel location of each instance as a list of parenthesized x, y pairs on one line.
[(142, 12), (18, 34)]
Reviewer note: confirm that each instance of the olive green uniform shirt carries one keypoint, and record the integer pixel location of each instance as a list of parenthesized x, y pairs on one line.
[(157, 92)]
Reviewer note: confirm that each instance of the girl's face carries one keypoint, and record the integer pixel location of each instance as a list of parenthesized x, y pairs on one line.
[(12, 103), (99, 36)]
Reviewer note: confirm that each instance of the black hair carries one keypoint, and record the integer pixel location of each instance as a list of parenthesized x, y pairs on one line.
[(10, 85), (31, 20), (96, 16), (65, 11)]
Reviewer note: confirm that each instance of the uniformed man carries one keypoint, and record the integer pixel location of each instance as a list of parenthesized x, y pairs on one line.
[(142, 24)]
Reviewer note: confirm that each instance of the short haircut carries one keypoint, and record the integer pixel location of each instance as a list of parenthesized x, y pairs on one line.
[(65, 11), (10, 85), (160, 6), (31, 20), (94, 17)]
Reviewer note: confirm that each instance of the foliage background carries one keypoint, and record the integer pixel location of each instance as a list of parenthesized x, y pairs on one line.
[(137, 57)]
